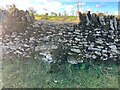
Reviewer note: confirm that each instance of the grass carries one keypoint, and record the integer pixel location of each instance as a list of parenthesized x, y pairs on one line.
[(35, 74), (57, 18)]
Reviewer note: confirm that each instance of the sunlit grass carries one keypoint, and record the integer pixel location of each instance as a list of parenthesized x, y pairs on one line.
[(57, 18)]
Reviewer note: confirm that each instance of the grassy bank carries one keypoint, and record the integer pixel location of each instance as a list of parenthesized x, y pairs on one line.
[(35, 73)]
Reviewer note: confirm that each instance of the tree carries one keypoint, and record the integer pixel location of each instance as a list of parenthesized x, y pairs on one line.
[(53, 14), (46, 14), (59, 14)]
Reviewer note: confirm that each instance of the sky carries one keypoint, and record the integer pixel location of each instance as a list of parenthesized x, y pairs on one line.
[(61, 6)]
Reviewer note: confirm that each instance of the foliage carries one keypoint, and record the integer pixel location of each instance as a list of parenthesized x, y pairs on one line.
[(17, 20)]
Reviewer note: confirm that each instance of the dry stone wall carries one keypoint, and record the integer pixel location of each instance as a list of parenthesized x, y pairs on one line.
[(97, 38)]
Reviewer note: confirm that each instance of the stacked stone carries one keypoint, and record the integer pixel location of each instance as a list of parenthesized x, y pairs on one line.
[(36, 43), (95, 38), (103, 41)]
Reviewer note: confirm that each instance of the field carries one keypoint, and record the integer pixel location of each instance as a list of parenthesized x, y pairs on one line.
[(35, 74), (57, 18)]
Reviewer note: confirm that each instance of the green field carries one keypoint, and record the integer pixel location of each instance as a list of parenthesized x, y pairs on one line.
[(35, 74), (57, 18)]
